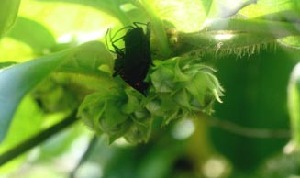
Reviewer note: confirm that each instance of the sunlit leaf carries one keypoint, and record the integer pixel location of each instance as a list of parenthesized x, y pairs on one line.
[(185, 15), (15, 50), (265, 7), (90, 57), (8, 14), (116, 8), (17, 81), (23, 31), (207, 5), (83, 23)]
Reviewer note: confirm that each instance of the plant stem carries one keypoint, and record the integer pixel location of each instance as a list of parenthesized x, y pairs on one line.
[(37, 139), (293, 106), (85, 155), (157, 29), (278, 29), (257, 133)]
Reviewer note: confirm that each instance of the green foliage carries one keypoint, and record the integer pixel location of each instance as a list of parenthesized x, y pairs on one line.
[(21, 128), (184, 87), (181, 88), (117, 112), (255, 98), (9, 10), (41, 41), (71, 71), (6, 64), (17, 81)]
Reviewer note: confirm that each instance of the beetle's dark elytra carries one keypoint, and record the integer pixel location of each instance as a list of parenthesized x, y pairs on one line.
[(133, 62)]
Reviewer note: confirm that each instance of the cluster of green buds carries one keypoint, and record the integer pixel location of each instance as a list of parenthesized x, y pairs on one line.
[(117, 112), (179, 87), (182, 87)]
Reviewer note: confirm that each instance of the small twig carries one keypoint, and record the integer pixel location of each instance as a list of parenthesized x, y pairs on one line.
[(85, 156), (37, 139), (259, 133)]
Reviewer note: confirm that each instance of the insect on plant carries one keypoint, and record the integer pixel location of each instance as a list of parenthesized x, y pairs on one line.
[(133, 61)]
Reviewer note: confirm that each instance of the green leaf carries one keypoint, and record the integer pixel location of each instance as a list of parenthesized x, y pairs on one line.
[(133, 101), (89, 58), (139, 132), (182, 98), (117, 111), (101, 111), (6, 64), (184, 15), (56, 94), (8, 14), (112, 8), (266, 7), (197, 87), (174, 75), (15, 50), (26, 123), (162, 76), (83, 23), (40, 42), (207, 5), (17, 81), (113, 115)]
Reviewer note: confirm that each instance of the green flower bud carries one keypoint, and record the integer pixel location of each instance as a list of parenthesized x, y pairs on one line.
[(182, 87), (117, 112)]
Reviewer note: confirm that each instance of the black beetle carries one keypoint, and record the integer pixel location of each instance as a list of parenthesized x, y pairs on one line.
[(133, 62)]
